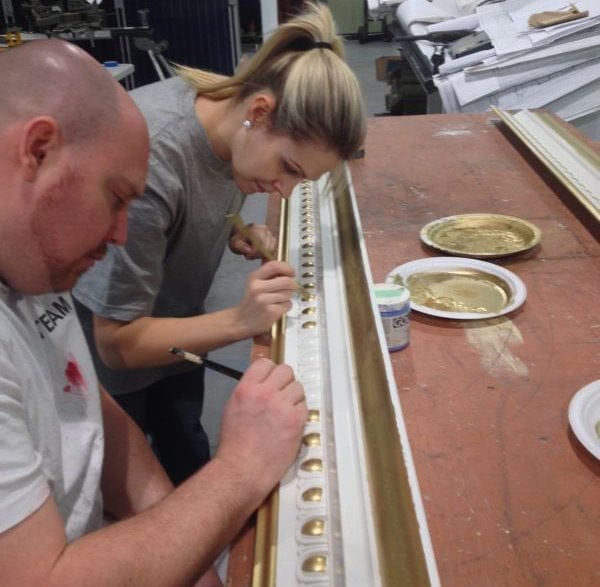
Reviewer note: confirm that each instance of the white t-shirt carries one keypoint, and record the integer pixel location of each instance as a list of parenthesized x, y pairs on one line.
[(51, 435)]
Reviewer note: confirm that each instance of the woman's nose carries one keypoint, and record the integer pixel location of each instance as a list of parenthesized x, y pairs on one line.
[(285, 186)]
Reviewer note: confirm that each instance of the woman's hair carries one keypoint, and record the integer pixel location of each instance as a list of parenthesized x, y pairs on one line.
[(317, 96)]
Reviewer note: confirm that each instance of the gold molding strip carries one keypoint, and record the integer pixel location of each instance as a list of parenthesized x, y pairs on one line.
[(400, 550), (571, 160), (397, 527), (265, 549)]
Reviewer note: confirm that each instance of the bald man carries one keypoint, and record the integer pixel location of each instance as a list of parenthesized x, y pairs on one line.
[(74, 154)]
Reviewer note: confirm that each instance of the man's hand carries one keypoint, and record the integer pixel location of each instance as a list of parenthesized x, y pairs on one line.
[(267, 297), (241, 245), (263, 424)]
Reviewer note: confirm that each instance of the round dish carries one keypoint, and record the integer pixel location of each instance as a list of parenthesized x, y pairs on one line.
[(584, 416), (481, 236), (459, 288)]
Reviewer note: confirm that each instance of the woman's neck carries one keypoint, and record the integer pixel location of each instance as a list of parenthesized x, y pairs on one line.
[(216, 116)]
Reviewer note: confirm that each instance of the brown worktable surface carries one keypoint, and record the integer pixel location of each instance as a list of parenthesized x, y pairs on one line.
[(510, 495)]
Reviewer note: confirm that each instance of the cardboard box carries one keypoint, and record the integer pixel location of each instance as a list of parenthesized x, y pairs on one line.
[(385, 65)]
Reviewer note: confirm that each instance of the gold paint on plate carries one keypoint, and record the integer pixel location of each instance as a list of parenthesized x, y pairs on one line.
[(308, 264), (309, 285), (309, 324), (314, 527), (481, 235), (313, 494), (308, 297), (308, 274), (315, 564), (459, 291), (312, 465), (310, 310)]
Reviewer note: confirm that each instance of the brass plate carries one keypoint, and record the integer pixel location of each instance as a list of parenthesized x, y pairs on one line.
[(481, 235), (460, 288)]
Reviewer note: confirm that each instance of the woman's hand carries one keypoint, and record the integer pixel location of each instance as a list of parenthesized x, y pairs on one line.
[(267, 297), (241, 245)]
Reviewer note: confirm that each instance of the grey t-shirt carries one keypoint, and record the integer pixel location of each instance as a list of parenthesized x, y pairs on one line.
[(177, 231)]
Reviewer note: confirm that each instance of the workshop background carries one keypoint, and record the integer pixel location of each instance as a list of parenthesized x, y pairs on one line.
[(145, 36), (208, 34)]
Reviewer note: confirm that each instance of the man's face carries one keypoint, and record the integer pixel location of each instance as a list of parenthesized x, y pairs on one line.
[(264, 162), (85, 207)]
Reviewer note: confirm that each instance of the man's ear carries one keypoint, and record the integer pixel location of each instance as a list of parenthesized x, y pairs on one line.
[(260, 107), (40, 136)]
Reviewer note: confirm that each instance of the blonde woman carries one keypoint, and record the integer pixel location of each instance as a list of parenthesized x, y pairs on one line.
[(294, 111)]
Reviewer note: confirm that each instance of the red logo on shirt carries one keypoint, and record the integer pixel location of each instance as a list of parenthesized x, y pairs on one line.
[(74, 377)]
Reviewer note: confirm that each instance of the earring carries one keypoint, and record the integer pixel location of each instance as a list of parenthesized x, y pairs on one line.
[(247, 124)]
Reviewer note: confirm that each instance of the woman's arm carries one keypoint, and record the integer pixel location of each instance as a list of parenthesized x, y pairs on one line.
[(145, 342)]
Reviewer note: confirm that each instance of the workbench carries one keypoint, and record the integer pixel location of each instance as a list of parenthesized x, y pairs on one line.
[(510, 495)]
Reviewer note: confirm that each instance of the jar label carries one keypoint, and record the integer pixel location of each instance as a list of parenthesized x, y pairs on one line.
[(396, 326)]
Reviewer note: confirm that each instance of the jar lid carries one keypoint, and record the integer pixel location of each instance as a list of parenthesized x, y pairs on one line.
[(390, 293)]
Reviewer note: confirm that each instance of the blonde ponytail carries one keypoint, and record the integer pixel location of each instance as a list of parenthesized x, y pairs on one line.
[(302, 64)]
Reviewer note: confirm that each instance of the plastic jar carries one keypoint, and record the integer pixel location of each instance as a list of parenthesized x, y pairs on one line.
[(393, 302)]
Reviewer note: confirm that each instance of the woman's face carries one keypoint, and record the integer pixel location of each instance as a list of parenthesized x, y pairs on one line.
[(265, 162)]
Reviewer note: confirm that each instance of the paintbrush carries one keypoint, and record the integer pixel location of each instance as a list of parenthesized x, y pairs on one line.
[(193, 358), (237, 221)]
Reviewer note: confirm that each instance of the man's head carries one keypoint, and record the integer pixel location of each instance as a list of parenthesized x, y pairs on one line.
[(74, 153)]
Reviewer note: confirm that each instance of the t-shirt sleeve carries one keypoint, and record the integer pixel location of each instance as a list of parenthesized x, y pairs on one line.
[(23, 486), (124, 285)]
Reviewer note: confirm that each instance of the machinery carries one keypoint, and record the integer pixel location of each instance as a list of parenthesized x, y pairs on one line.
[(66, 16)]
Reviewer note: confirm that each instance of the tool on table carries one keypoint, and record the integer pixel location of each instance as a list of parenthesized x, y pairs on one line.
[(193, 358), (548, 18), (436, 36), (237, 221), (471, 43)]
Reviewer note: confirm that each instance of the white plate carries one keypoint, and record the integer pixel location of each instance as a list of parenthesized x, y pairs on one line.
[(436, 264), (584, 415)]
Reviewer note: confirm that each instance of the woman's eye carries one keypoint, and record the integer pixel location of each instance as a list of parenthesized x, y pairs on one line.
[(291, 170)]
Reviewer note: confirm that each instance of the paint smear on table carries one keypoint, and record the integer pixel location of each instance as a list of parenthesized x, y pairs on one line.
[(452, 133), (493, 340)]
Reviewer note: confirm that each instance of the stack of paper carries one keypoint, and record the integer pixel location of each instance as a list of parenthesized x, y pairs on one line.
[(557, 68)]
